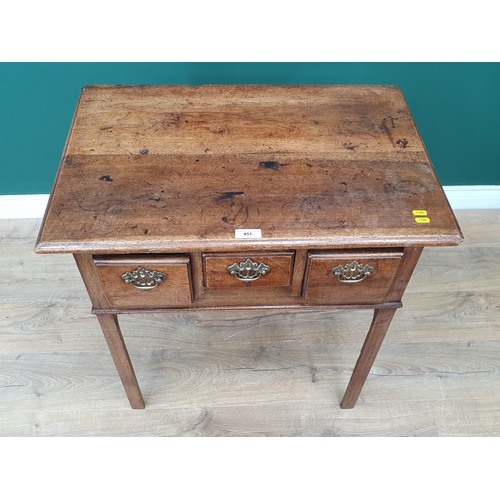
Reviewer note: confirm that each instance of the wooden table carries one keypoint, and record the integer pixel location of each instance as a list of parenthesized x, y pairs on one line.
[(177, 198)]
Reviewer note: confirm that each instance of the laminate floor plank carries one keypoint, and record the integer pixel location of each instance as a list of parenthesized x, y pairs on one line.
[(479, 227), (442, 316), (459, 269), (468, 417), (426, 317), (247, 374), (27, 277), (48, 327), (304, 420)]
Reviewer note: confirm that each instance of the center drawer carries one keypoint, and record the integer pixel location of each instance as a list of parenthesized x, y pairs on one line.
[(247, 270)]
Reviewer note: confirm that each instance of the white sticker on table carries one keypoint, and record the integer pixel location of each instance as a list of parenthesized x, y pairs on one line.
[(248, 233)]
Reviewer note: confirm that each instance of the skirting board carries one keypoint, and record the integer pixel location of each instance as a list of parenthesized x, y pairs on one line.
[(32, 206)]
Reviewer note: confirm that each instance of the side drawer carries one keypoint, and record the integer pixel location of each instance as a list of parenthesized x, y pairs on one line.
[(350, 277), (145, 281)]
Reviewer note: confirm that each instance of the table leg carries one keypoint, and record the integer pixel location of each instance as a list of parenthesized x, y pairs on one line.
[(118, 349), (380, 324)]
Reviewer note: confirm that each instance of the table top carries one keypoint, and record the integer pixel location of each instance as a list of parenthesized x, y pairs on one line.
[(179, 168)]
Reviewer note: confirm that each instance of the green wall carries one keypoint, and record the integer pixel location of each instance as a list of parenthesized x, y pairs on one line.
[(456, 107)]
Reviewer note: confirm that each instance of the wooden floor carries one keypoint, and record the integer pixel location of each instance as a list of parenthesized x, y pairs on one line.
[(247, 374)]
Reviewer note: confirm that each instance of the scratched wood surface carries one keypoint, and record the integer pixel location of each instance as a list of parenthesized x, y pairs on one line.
[(157, 169), (253, 373)]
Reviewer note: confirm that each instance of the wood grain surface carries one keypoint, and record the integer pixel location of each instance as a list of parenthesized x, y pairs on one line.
[(178, 169), (274, 373)]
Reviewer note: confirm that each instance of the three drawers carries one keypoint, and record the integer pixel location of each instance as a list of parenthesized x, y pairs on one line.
[(337, 277)]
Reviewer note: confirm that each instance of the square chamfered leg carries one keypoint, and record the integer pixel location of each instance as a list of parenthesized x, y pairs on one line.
[(382, 318), (110, 328), (118, 349), (380, 324)]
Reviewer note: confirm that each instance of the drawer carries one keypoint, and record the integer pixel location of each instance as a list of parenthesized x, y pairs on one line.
[(351, 277), (254, 270), (144, 281)]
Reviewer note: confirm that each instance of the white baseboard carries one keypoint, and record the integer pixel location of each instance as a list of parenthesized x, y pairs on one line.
[(32, 206), (473, 196), (23, 206)]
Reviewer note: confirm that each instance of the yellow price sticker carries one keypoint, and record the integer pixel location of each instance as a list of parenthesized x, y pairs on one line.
[(422, 220), (420, 212)]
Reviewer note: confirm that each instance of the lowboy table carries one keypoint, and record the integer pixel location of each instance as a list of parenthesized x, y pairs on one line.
[(177, 198)]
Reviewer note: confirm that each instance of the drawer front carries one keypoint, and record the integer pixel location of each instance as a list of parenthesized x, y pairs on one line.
[(250, 271), (355, 277), (145, 281)]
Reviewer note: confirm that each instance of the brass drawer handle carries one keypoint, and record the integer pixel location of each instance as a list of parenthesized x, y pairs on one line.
[(248, 271), (143, 278), (353, 272)]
